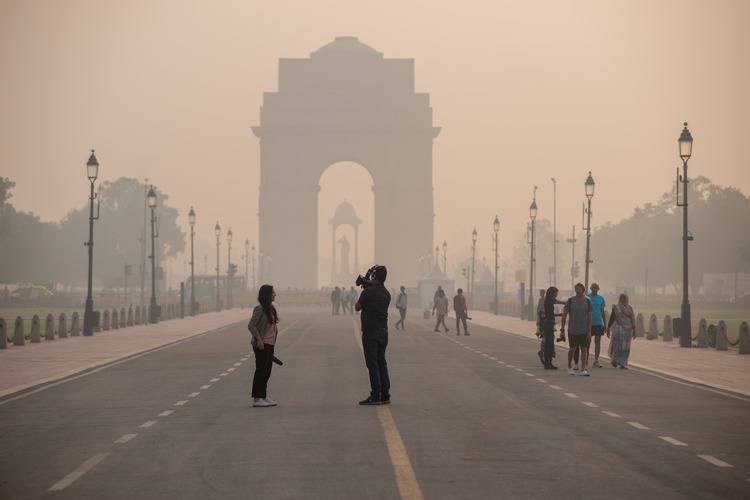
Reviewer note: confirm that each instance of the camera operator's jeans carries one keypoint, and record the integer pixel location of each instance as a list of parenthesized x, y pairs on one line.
[(373, 345)]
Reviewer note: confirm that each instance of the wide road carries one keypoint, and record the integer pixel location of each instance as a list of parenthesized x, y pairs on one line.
[(471, 417)]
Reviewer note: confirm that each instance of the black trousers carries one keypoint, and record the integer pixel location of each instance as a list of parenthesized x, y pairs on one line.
[(263, 366), (548, 330)]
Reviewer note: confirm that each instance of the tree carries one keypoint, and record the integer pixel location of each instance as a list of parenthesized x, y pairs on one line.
[(719, 221)]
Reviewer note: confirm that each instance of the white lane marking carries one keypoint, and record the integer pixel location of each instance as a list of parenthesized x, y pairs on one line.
[(193, 394), (673, 441), (406, 479), (715, 461), (148, 424), (214, 380), (501, 362), (231, 369), (556, 387), (223, 374), (243, 359), (166, 413), (590, 404), (181, 403), (611, 414), (519, 370), (493, 358), (510, 366), (80, 471), (204, 387), (237, 364), (531, 375), (639, 426), (125, 438), (541, 380), (571, 395)]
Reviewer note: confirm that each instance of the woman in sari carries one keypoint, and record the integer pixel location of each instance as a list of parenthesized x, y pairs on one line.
[(623, 319)]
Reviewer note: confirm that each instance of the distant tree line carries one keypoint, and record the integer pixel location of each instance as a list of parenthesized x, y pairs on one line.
[(32, 251), (651, 238)]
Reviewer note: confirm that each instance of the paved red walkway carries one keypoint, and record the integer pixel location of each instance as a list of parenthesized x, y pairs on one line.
[(35, 364)]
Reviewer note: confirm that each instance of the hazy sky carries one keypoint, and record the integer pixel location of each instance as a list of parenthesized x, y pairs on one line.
[(524, 90)]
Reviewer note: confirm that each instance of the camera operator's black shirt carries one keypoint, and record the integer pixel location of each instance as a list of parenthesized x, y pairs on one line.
[(375, 300)]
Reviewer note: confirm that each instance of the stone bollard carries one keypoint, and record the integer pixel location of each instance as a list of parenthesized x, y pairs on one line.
[(744, 341), (49, 328), (721, 336), (130, 316), (702, 333), (123, 320), (667, 329), (137, 315), (653, 332), (105, 320), (75, 325), (3, 334), (62, 328), (144, 315), (34, 335), (115, 322), (640, 331), (18, 332)]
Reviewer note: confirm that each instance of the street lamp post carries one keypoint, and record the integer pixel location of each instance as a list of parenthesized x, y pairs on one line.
[(496, 228), (247, 275), (191, 219), (532, 215), (253, 256), (554, 232), (217, 232), (686, 151), (445, 257), (153, 309), (573, 266), (92, 172), (229, 269), (473, 265), (589, 185)]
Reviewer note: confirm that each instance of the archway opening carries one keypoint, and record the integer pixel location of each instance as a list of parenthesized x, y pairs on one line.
[(350, 183)]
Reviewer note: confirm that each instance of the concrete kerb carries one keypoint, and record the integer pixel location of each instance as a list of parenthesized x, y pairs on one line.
[(726, 371), (32, 365)]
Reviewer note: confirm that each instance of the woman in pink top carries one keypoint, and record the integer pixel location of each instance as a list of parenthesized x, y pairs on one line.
[(263, 326)]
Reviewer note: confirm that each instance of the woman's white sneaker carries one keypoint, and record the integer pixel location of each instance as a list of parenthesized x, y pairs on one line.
[(271, 402), (261, 403)]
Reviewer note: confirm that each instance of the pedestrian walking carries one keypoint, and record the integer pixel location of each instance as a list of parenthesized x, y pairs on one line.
[(623, 317), (401, 306), (598, 314), (263, 327), (462, 311), (578, 308), (440, 305)]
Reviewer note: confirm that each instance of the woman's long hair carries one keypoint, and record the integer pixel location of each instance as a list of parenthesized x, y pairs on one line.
[(551, 295), (264, 299)]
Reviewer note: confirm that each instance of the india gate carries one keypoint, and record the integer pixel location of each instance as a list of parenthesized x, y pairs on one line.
[(345, 103)]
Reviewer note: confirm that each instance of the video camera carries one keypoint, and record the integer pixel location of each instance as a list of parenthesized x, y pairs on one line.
[(367, 280)]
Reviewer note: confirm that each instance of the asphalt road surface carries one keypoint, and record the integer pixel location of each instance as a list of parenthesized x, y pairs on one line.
[(471, 417)]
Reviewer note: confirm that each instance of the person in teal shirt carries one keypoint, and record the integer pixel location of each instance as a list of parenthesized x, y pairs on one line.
[(598, 314)]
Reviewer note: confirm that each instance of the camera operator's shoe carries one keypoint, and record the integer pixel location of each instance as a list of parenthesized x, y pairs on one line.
[(467, 333), (370, 401)]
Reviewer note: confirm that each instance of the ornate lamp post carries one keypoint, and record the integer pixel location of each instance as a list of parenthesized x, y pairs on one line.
[(589, 185), (153, 309), (473, 267), (191, 219), (253, 256), (247, 275), (92, 172), (217, 232), (496, 229), (686, 151), (229, 268), (532, 261), (445, 257), (554, 231)]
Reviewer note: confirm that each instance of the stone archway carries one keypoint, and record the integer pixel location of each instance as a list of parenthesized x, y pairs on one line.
[(345, 103)]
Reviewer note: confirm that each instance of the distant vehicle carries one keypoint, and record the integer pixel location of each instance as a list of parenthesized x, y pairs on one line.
[(31, 292)]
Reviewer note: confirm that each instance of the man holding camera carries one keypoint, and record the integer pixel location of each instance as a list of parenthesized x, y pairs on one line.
[(373, 302)]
